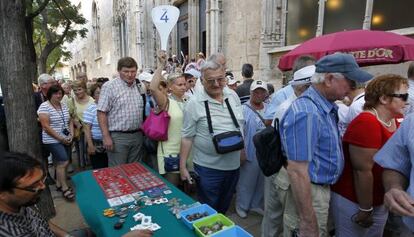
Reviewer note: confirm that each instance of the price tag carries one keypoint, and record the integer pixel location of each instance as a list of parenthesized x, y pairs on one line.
[(164, 18)]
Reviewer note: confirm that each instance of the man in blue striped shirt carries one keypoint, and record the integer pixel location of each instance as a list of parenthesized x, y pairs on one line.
[(312, 144), (397, 158)]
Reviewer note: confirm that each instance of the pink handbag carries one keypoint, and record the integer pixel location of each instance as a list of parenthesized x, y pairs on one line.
[(155, 125)]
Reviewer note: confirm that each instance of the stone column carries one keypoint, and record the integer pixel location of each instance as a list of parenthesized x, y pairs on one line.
[(140, 44), (193, 27), (214, 27)]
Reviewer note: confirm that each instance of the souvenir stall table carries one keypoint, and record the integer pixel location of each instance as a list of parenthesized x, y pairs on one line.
[(116, 200)]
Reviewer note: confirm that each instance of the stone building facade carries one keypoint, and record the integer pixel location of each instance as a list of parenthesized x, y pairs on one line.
[(256, 32)]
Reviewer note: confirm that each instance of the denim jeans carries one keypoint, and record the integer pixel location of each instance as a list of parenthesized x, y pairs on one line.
[(216, 187), (60, 152)]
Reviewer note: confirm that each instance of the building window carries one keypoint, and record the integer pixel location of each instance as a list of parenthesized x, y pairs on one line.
[(302, 19), (343, 15), (391, 15), (123, 36), (96, 30)]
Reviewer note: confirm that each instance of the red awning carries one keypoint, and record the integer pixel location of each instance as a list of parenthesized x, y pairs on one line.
[(368, 47)]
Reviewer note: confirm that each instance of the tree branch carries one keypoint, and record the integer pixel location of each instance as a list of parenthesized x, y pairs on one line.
[(54, 65), (39, 10)]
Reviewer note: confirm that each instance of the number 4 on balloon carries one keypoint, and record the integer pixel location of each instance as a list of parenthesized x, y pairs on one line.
[(164, 17)]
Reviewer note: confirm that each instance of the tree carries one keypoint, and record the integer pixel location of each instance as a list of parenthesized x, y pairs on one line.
[(17, 70), (59, 22)]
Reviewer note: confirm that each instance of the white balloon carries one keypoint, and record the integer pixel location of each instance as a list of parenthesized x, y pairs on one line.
[(164, 18)]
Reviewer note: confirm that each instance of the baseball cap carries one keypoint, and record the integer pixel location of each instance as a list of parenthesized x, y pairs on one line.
[(303, 76), (193, 72), (145, 76), (231, 80), (345, 64), (258, 84)]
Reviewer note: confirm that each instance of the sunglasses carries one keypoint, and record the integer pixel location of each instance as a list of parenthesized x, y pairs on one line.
[(403, 97), (34, 188)]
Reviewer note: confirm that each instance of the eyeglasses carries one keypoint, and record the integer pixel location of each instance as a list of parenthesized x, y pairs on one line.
[(403, 97), (34, 188), (218, 80)]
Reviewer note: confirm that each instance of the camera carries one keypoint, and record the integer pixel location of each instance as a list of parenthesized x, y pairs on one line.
[(65, 132)]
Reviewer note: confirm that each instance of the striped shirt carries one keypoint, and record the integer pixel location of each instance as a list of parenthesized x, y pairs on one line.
[(90, 117), (27, 223), (123, 105), (58, 120), (309, 132), (398, 154)]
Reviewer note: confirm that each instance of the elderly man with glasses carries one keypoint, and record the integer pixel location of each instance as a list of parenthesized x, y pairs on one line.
[(211, 112)]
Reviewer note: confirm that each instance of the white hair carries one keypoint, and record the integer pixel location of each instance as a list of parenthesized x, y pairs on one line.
[(216, 56), (43, 78), (209, 65), (319, 77)]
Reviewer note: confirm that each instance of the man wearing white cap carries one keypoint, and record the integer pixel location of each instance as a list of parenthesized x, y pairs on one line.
[(301, 81), (232, 82), (250, 188), (146, 77), (272, 224)]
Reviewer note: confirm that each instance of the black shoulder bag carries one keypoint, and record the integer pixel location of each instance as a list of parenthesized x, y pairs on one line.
[(227, 141), (269, 150)]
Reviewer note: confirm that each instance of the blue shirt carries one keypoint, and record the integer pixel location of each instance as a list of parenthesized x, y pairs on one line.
[(90, 117), (398, 154), (278, 98), (309, 132), (252, 125), (148, 105)]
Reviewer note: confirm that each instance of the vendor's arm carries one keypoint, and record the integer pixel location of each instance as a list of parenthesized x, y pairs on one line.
[(59, 232), (138, 233)]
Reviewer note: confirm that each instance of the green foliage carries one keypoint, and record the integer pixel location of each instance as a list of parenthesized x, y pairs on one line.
[(59, 22)]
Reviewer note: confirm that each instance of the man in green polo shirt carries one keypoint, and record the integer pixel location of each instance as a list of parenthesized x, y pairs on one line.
[(218, 173)]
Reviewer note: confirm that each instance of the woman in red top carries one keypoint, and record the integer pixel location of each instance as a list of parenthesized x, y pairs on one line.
[(357, 198)]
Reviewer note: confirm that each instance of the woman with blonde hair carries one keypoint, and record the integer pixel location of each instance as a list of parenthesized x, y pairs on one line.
[(172, 102), (77, 105), (357, 199)]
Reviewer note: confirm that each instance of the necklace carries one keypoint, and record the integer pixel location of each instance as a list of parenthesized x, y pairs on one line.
[(384, 123)]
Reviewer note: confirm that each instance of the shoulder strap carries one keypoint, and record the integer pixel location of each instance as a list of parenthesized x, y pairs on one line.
[(276, 125), (257, 113), (210, 127), (231, 113)]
